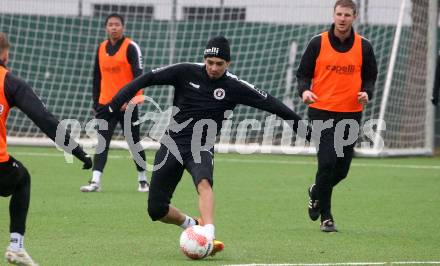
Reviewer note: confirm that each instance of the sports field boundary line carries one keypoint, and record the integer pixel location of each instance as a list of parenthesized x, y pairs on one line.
[(341, 263), (354, 164), (411, 166)]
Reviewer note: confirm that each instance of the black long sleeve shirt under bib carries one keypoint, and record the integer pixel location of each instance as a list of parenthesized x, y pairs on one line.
[(134, 57), (307, 65), (19, 94), (199, 97)]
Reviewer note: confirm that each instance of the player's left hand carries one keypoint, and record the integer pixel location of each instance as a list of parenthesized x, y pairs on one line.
[(363, 97)]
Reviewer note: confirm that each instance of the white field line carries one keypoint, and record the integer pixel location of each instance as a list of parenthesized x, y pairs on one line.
[(384, 165), (411, 166), (342, 263)]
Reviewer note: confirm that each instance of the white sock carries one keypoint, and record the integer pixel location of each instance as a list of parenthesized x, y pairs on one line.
[(16, 242), (210, 230), (142, 176), (189, 221), (96, 176)]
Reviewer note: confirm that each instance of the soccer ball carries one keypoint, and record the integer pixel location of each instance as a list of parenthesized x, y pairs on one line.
[(194, 242)]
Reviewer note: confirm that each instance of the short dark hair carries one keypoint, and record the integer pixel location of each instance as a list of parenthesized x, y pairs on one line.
[(4, 43), (114, 15), (346, 3)]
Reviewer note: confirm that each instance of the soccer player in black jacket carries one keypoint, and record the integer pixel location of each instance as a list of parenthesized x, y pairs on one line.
[(15, 180), (203, 92)]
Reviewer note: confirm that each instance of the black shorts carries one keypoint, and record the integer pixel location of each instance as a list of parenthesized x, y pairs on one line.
[(11, 173), (169, 170)]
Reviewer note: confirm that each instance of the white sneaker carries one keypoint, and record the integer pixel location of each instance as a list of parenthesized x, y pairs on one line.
[(143, 186), (91, 187), (20, 257)]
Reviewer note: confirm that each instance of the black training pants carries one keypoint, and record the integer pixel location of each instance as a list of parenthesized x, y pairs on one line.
[(168, 173), (15, 180), (331, 168), (100, 159)]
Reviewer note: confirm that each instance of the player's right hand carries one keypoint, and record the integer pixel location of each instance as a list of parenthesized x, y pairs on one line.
[(123, 107), (309, 97)]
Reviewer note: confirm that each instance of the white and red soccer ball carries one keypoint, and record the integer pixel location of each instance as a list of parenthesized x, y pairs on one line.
[(195, 243)]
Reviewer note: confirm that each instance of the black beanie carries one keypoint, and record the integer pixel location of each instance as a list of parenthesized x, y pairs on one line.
[(218, 47)]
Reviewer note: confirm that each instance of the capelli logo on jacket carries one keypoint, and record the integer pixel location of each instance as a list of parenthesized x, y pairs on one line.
[(113, 69), (348, 69), (1, 109)]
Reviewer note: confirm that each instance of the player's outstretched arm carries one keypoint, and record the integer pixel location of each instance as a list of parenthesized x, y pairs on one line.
[(369, 69), (161, 76), (23, 97), (124, 95), (260, 99), (275, 106)]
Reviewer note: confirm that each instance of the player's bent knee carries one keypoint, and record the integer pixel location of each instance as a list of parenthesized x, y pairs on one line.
[(341, 174), (338, 179), (327, 167), (157, 210), (26, 178), (7, 185), (206, 182), (13, 184), (10, 181), (204, 185)]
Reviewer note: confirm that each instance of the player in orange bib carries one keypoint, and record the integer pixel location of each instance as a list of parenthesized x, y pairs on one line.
[(15, 180), (118, 61), (336, 78)]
